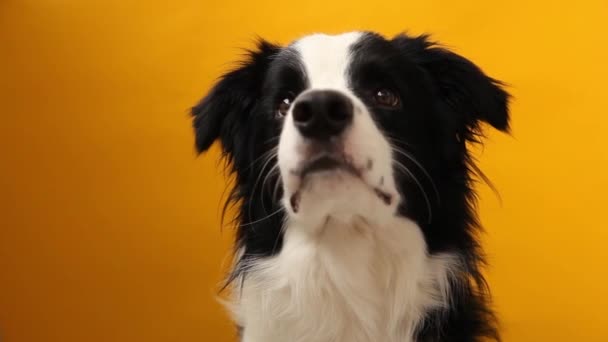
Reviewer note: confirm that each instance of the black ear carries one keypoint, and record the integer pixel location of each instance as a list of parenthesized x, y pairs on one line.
[(232, 99), (464, 87)]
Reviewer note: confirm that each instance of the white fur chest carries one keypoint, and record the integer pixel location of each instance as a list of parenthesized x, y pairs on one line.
[(347, 282)]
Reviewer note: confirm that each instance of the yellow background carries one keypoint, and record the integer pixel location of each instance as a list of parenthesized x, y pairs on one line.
[(110, 225)]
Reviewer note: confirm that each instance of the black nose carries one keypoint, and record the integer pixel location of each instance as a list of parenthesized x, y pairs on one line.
[(322, 114)]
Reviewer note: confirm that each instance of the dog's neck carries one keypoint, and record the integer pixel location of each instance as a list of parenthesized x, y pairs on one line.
[(371, 282)]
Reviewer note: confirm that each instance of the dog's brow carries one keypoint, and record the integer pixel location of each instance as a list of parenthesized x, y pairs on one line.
[(289, 56)]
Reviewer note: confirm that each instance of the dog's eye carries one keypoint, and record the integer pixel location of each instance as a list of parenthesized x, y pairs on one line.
[(284, 105), (386, 98)]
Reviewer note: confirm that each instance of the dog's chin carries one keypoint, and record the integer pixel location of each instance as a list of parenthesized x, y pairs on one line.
[(337, 192)]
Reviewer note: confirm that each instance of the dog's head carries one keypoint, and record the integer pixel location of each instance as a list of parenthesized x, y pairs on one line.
[(350, 126)]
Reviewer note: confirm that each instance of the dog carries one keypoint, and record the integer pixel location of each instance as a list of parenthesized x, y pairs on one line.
[(353, 186)]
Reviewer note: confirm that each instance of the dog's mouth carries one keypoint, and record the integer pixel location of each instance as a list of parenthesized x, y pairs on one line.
[(326, 163)]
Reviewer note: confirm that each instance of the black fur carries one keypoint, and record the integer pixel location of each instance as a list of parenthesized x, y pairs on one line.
[(444, 96), (233, 112)]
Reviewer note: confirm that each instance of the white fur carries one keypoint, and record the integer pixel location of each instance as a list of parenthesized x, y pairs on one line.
[(349, 282), (350, 270), (326, 59)]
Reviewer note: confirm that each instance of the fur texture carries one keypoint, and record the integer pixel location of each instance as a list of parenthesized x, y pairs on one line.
[(366, 232)]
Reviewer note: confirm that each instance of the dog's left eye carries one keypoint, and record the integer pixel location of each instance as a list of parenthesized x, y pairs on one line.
[(386, 98), (284, 104)]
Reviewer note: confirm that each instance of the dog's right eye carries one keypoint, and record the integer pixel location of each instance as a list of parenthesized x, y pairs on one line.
[(386, 98), (284, 105)]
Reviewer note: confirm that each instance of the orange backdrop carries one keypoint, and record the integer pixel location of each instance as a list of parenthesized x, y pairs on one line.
[(110, 225)]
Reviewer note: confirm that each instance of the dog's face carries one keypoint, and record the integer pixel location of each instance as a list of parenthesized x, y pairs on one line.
[(349, 126), (334, 154)]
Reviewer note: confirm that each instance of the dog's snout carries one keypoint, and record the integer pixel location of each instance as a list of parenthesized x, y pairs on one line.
[(322, 114)]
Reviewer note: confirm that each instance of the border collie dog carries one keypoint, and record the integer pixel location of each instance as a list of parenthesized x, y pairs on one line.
[(353, 187)]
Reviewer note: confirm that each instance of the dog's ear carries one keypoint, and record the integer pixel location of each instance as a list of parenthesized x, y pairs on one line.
[(232, 99), (470, 93)]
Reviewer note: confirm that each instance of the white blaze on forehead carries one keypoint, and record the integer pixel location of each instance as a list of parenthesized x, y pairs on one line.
[(326, 58)]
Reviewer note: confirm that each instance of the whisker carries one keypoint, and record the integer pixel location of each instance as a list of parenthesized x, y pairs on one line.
[(276, 188), (422, 168), (262, 219), (272, 139), (255, 185), (426, 197), (396, 139), (272, 151), (268, 175), (282, 230)]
